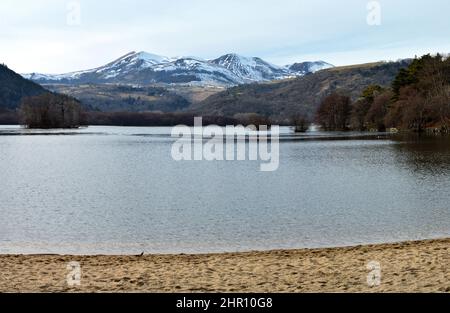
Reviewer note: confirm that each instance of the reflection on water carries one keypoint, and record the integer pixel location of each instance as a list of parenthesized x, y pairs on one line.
[(117, 190), (425, 153)]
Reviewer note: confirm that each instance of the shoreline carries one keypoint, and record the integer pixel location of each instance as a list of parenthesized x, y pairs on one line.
[(227, 252), (413, 266)]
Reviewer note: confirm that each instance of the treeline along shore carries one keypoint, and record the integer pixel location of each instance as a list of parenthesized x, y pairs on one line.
[(418, 99), (144, 119)]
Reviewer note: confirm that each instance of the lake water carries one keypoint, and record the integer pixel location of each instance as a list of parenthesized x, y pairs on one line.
[(107, 190)]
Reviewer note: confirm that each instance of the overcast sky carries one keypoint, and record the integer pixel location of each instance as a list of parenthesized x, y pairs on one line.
[(45, 36)]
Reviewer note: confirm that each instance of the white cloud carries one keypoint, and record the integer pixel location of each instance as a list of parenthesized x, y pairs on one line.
[(34, 35)]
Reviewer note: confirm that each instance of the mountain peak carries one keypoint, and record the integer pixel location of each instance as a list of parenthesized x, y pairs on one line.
[(250, 69), (309, 67), (231, 58), (150, 57), (146, 68), (236, 55), (133, 57)]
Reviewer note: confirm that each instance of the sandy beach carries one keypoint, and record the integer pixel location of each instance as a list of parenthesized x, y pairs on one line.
[(405, 267)]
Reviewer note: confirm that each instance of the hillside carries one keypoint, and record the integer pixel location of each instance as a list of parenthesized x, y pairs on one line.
[(13, 88), (114, 98), (281, 100)]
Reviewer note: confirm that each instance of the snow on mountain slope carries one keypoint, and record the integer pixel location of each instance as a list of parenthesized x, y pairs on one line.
[(203, 70), (125, 64), (144, 68), (308, 67), (250, 69)]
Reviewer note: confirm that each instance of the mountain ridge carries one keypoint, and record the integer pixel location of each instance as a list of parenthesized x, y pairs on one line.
[(143, 68)]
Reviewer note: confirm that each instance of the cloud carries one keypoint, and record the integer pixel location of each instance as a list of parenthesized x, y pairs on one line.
[(35, 36)]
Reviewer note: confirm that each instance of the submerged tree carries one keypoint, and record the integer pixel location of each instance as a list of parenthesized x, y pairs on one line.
[(50, 111), (301, 123), (334, 112)]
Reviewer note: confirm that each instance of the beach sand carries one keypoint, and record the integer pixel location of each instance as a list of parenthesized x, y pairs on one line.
[(405, 267)]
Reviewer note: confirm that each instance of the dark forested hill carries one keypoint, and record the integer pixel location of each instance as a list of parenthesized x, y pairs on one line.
[(13, 88), (281, 100), (117, 98)]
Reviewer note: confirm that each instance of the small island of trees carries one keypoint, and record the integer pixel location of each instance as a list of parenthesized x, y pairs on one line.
[(50, 111)]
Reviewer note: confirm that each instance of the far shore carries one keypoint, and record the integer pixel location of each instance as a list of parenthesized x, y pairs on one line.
[(420, 266)]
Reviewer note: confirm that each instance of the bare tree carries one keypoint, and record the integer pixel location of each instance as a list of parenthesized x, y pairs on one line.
[(301, 123), (334, 112)]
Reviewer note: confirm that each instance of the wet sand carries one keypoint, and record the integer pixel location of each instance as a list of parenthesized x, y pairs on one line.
[(422, 266)]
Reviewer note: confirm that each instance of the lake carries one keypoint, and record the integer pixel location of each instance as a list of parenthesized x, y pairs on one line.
[(117, 190)]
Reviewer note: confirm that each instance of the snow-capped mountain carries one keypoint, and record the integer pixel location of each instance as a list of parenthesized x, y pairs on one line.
[(195, 70), (126, 64), (251, 69), (140, 68), (308, 67)]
